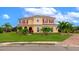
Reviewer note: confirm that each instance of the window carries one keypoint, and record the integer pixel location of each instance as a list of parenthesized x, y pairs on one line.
[(50, 21), (45, 20), (38, 29), (38, 19), (23, 21)]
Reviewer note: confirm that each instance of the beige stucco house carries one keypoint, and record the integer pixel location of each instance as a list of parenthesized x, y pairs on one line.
[(37, 22)]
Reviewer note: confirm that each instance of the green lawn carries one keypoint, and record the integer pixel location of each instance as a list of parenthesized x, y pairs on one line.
[(13, 37)]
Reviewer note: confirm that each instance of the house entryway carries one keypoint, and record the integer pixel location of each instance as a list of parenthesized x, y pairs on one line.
[(30, 30)]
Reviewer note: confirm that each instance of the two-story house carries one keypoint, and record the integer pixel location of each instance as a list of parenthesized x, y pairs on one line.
[(37, 22)]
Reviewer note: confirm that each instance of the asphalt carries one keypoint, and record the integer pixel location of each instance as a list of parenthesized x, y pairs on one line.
[(37, 47)]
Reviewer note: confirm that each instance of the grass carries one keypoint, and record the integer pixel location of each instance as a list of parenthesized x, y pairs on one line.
[(14, 37)]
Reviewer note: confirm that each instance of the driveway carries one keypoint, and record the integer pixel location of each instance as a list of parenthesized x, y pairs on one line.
[(72, 41)]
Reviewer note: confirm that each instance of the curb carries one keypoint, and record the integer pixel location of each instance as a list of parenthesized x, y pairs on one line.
[(22, 43), (39, 43)]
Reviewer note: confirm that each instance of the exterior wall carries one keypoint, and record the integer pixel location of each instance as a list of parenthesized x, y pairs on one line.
[(30, 21), (35, 29), (40, 27), (39, 22), (55, 30)]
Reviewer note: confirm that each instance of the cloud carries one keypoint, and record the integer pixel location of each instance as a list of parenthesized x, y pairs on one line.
[(41, 11), (68, 17), (73, 14), (75, 21), (6, 16), (71, 17), (61, 17)]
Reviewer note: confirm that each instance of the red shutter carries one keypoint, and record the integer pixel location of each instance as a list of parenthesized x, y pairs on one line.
[(43, 20)]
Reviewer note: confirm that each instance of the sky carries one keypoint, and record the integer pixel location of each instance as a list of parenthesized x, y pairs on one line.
[(13, 14)]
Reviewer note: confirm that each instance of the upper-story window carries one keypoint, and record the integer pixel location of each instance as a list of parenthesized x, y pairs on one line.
[(45, 20), (51, 21), (37, 19), (23, 21)]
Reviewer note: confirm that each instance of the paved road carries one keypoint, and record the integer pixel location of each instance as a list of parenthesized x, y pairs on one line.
[(36, 47)]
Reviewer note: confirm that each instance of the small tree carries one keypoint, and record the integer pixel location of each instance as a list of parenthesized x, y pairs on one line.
[(24, 31), (46, 30), (7, 27)]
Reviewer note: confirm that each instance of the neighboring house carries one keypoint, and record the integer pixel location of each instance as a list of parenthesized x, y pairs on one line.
[(37, 22)]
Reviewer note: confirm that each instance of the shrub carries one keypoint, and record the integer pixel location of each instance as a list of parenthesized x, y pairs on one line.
[(21, 30), (46, 30)]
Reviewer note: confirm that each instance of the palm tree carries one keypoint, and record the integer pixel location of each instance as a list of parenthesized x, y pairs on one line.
[(65, 27), (7, 27)]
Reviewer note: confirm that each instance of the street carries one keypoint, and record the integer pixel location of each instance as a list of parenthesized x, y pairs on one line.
[(37, 47)]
